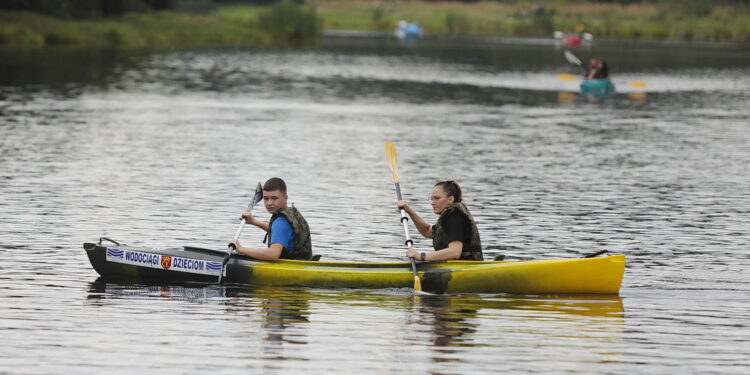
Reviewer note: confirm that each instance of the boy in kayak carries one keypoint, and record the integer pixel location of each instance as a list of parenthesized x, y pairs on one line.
[(288, 234), (455, 235)]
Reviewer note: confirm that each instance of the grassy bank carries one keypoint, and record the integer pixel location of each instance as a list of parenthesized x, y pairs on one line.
[(281, 24), (686, 20), (289, 24), (159, 29)]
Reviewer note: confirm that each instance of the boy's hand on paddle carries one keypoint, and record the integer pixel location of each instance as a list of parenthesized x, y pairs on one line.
[(248, 216)]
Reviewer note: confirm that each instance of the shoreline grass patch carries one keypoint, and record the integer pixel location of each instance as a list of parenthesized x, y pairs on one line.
[(667, 20), (287, 23)]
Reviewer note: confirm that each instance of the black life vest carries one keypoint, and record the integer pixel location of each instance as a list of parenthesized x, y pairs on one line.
[(302, 242), (440, 240)]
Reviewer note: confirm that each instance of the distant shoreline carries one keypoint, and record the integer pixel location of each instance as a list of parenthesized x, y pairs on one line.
[(238, 25), (693, 21), (539, 41)]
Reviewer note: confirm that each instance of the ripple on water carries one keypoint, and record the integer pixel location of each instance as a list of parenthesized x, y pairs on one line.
[(169, 154)]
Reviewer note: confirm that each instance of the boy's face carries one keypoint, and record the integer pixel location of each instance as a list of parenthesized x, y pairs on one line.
[(274, 200)]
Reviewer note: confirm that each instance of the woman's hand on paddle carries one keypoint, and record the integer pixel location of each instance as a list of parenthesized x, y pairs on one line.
[(411, 253), (247, 216), (402, 205)]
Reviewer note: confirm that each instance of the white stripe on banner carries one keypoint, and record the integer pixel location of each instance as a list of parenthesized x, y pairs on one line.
[(165, 262)]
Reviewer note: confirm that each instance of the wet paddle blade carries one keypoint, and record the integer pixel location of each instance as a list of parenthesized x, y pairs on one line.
[(573, 59), (637, 84), (417, 284), (391, 156), (257, 197)]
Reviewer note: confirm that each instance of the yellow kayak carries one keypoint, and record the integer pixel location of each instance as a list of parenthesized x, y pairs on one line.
[(599, 275)]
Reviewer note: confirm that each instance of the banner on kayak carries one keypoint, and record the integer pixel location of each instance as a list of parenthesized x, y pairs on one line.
[(166, 262)]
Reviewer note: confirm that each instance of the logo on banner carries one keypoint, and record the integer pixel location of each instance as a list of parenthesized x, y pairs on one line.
[(166, 261)]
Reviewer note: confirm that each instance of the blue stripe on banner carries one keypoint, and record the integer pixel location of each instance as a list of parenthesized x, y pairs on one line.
[(213, 266), (115, 252)]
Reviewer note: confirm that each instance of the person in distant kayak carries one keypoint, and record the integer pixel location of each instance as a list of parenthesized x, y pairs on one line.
[(288, 235), (455, 235), (597, 70)]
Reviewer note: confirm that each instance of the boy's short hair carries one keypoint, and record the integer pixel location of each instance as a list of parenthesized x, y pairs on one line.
[(275, 183)]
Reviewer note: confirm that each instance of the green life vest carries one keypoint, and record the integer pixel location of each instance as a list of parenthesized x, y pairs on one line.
[(440, 238), (302, 243)]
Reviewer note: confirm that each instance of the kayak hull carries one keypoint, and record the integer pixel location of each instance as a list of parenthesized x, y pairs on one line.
[(598, 88), (601, 275)]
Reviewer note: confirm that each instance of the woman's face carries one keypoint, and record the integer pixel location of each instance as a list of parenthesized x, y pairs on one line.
[(439, 200)]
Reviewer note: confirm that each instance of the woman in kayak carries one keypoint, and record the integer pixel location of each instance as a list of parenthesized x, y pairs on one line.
[(455, 235), (597, 70)]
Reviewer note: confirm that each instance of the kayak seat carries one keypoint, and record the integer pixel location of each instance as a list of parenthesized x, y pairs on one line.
[(315, 258), (596, 254), (107, 239)]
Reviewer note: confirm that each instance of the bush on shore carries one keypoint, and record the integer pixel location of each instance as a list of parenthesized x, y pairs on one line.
[(290, 24)]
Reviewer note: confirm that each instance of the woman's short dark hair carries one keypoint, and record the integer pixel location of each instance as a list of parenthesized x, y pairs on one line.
[(451, 189), (275, 183)]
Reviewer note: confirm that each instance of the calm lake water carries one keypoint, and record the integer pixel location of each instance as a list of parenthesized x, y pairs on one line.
[(164, 149)]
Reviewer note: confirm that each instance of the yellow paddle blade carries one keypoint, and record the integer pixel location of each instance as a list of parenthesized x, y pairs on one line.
[(637, 84), (417, 284), (391, 156), (567, 77)]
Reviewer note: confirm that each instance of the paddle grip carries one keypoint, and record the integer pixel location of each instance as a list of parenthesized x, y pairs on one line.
[(237, 235), (405, 222), (239, 230), (231, 247)]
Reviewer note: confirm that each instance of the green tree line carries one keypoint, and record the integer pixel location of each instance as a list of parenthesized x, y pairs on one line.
[(111, 8), (99, 8)]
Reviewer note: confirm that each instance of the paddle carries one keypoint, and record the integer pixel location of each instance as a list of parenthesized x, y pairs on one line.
[(390, 154), (574, 60), (257, 197)]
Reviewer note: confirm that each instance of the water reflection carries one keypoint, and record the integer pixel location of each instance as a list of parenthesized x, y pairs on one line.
[(144, 139), (583, 305), (452, 324), (455, 316), (283, 311), (101, 290), (64, 70), (458, 323)]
